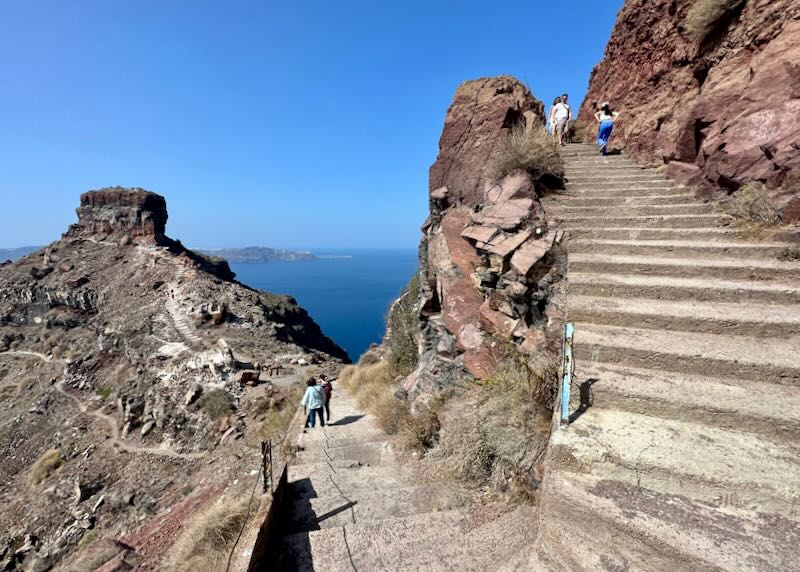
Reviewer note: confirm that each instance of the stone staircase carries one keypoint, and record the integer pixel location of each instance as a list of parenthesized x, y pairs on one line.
[(354, 505), (683, 453), (178, 315)]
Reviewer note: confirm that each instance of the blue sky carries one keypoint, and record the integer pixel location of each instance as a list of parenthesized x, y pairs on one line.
[(289, 124)]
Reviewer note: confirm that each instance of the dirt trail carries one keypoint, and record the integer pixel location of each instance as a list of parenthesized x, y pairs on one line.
[(112, 423)]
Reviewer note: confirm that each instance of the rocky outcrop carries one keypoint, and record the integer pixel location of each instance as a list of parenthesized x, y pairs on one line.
[(121, 214), (124, 351), (487, 270), (721, 109)]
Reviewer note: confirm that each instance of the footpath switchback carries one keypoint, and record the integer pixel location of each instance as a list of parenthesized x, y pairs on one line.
[(683, 451)]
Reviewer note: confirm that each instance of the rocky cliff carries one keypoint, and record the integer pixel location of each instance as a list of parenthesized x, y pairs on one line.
[(711, 87), (123, 362), (487, 268)]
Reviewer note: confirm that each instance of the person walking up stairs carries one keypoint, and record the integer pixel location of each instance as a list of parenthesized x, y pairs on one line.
[(683, 450)]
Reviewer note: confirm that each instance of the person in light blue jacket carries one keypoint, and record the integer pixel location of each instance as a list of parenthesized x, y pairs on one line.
[(313, 402)]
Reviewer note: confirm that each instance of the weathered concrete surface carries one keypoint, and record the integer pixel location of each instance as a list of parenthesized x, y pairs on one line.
[(683, 452), (358, 507)]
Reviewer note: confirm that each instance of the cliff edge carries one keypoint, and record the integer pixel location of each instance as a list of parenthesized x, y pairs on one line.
[(131, 388)]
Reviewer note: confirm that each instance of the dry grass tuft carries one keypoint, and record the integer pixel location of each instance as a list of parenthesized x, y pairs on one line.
[(373, 387), (704, 15), (216, 403), (752, 209), (45, 466), (208, 537), (403, 325), (497, 433), (534, 150), (274, 422)]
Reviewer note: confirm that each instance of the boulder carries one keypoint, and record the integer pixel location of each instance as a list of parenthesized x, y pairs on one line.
[(249, 377), (480, 117), (503, 245), (533, 341), (508, 215), (478, 233), (530, 253), (496, 322), (480, 362), (515, 185), (39, 272), (78, 282)]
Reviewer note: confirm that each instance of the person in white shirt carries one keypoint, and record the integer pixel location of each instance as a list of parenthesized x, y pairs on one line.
[(551, 119), (562, 114)]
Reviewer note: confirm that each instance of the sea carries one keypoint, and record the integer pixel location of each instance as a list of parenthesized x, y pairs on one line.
[(347, 293)]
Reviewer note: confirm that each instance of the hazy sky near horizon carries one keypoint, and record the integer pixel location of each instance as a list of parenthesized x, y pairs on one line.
[(307, 124)]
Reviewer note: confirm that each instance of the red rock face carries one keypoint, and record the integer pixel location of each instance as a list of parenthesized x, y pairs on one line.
[(132, 214), (724, 108), (476, 122), (475, 300)]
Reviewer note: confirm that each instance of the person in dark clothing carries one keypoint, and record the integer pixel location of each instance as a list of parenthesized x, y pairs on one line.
[(327, 389)]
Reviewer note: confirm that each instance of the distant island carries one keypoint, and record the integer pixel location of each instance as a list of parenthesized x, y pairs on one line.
[(260, 254), (13, 254), (237, 255)]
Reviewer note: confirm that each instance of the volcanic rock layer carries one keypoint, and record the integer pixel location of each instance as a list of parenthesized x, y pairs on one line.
[(721, 106), (126, 366), (486, 261)]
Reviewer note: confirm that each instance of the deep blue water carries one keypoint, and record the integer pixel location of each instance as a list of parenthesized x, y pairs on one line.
[(347, 297)]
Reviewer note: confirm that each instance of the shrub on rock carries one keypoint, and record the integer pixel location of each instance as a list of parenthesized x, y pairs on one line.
[(531, 149), (704, 15), (45, 466)]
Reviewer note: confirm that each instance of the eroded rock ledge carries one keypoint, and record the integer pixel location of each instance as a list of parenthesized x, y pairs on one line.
[(119, 213), (488, 270)]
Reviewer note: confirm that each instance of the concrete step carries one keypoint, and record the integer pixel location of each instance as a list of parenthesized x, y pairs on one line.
[(707, 234), (704, 354), (726, 403), (623, 189), (603, 178), (315, 439), (688, 316), (317, 479), (569, 200), (371, 453), (370, 507), (433, 541), (688, 267), (696, 289), (679, 248), (645, 221), (696, 461), (589, 169), (649, 529), (629, 210)]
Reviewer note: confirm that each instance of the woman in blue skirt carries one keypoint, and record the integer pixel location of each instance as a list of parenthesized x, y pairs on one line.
[(606, 117)]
